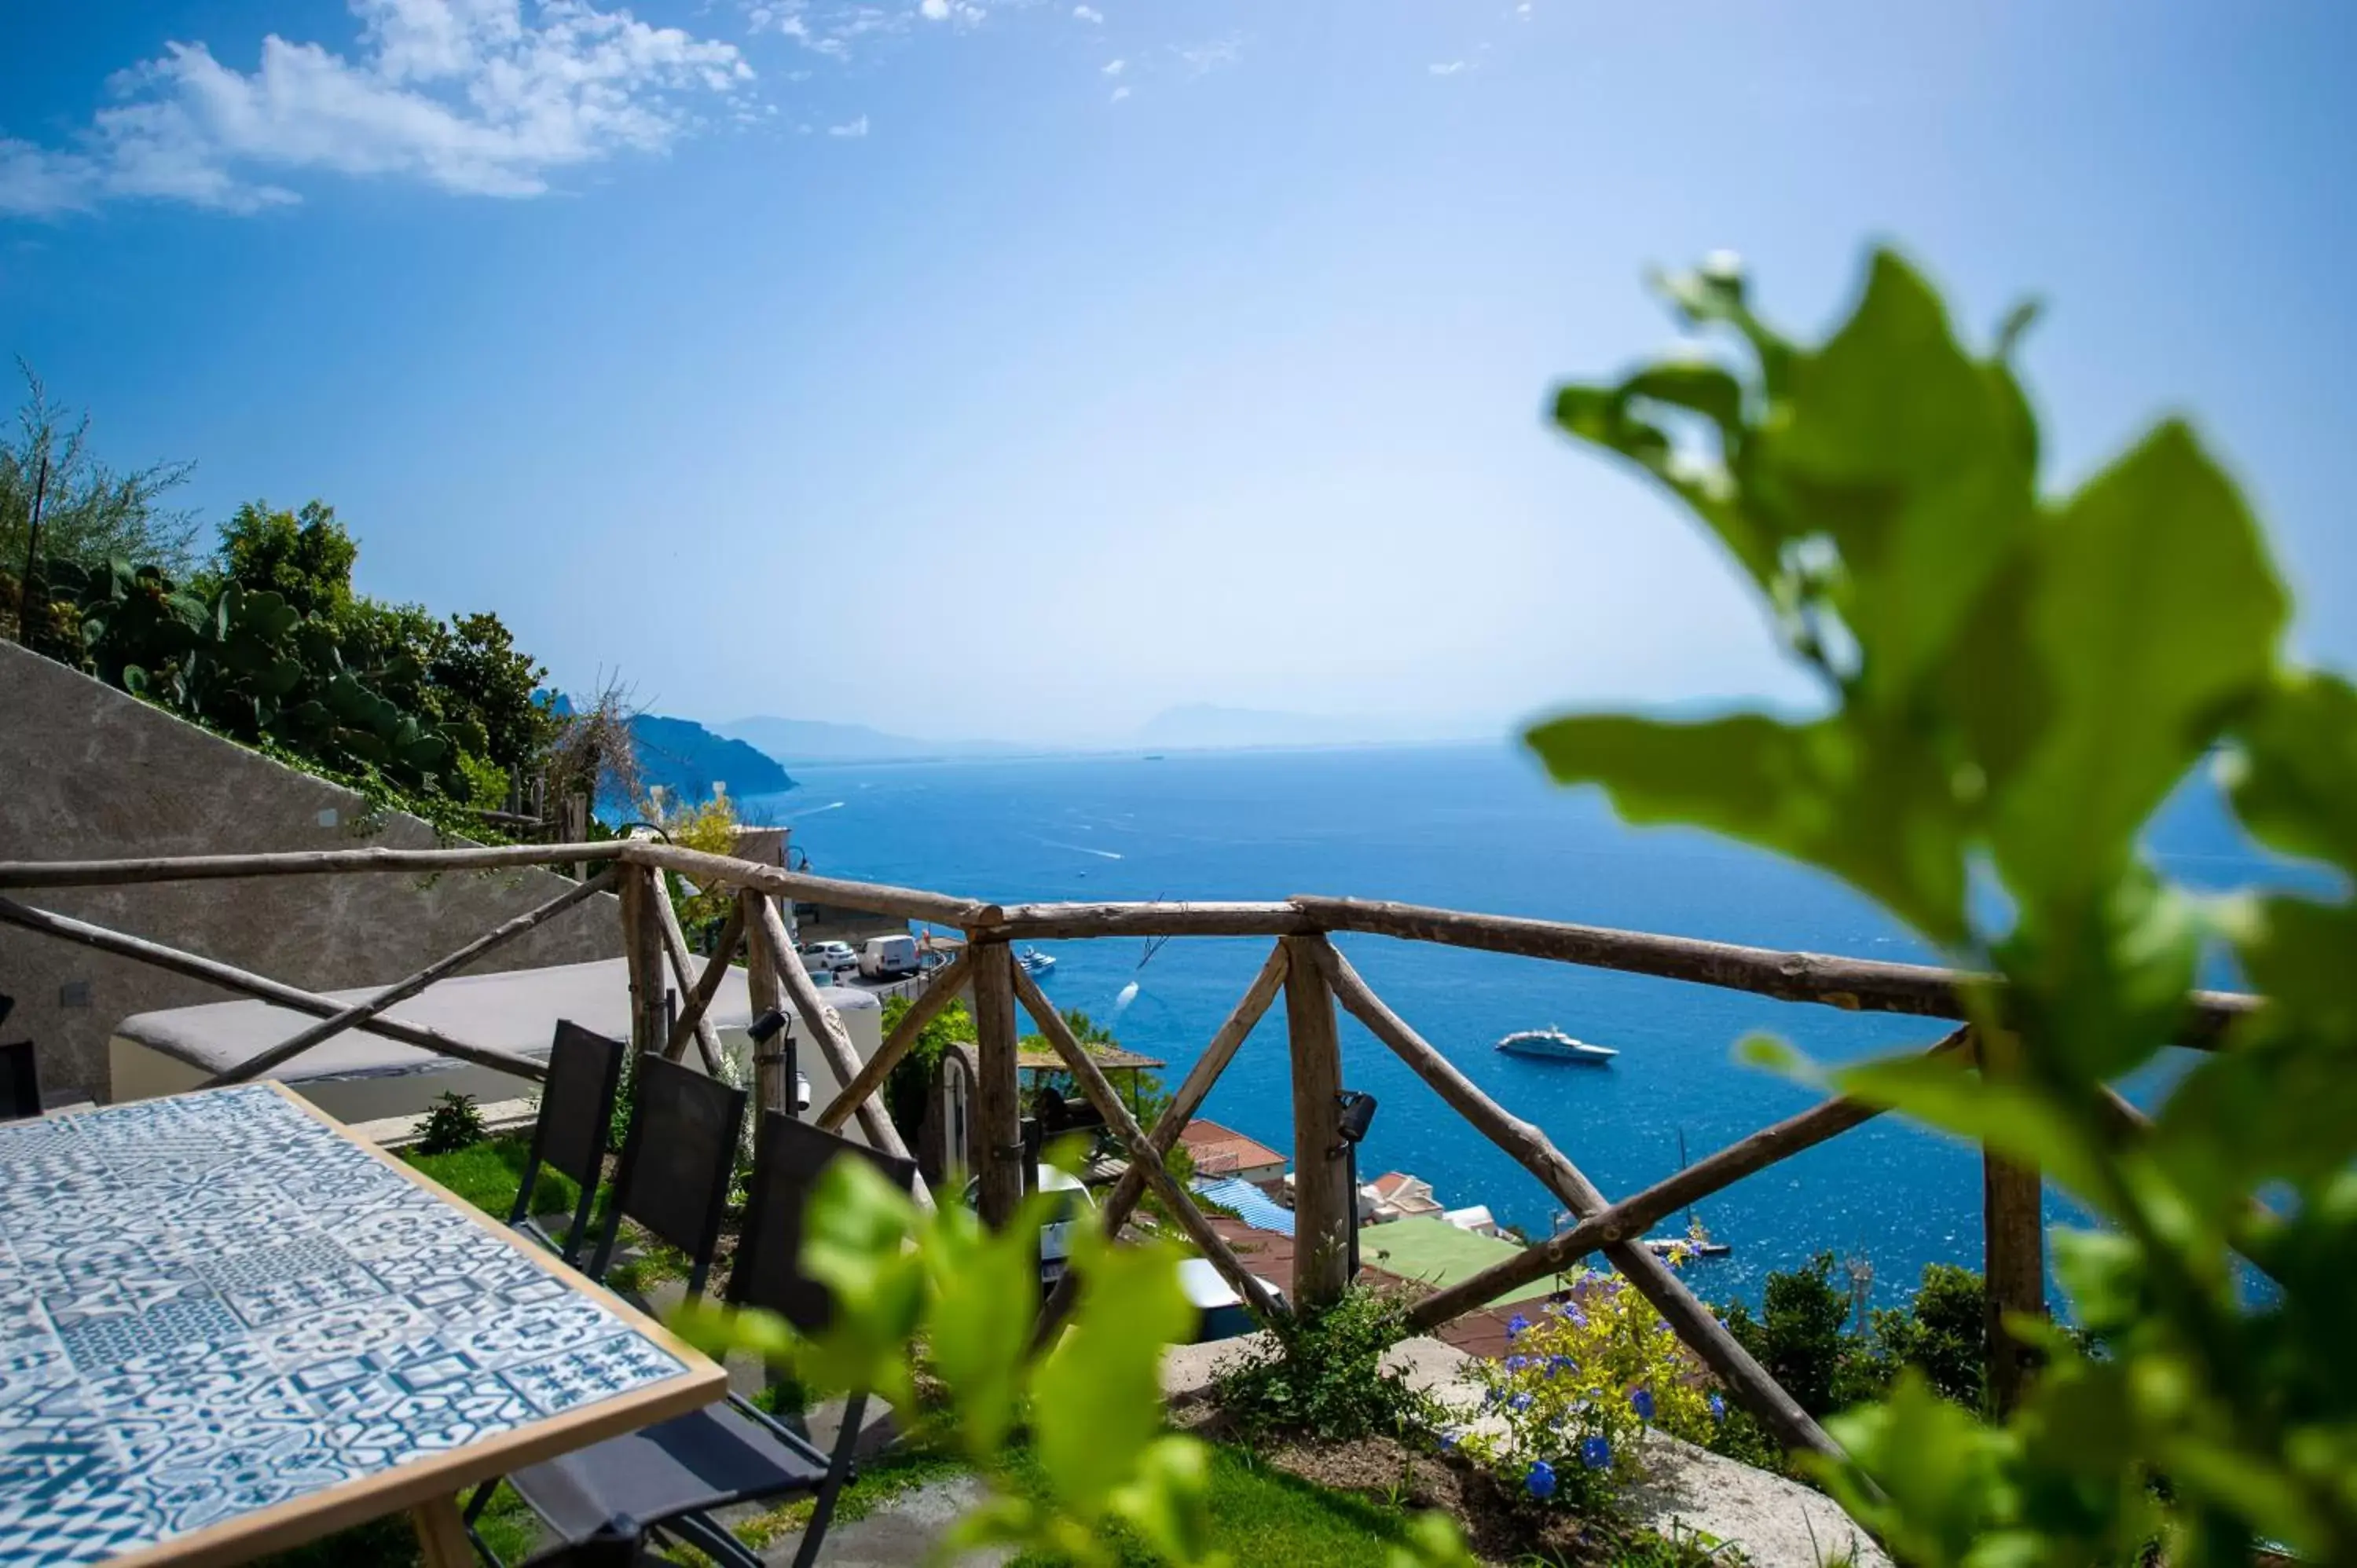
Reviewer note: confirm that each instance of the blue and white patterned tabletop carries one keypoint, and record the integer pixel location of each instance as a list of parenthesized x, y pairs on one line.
[(215, 1304)]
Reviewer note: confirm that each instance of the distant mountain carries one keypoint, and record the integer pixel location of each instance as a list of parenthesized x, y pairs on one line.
[(819, 740), (1206, 727), (687, 759)]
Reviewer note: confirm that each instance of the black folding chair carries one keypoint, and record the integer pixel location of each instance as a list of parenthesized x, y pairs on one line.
[(672, 1179), (576, 1109), (20, 1074), (672, 1475), (20, 1081)]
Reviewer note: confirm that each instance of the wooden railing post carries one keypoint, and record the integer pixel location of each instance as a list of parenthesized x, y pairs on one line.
[(642, 948), (1324, 1208), (2013, 1256), (996, 1142), (764, 994)]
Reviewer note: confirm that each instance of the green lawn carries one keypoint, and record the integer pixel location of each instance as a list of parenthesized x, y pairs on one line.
[(1263, 1515), (488, 1174), (1438, 1253)]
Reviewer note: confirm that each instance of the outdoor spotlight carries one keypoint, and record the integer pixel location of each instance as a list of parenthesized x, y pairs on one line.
[(765, 1027), (1358, 1114)]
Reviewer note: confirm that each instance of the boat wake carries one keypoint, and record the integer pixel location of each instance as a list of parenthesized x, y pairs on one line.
[(1082, 849)]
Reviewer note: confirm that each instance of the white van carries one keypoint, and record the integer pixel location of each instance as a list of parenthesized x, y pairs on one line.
[(888, 957)]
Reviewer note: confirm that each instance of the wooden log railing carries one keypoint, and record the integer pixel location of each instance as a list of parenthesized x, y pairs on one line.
[(1314, 977)]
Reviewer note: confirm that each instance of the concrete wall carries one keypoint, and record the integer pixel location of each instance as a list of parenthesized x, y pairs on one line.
[(88, 773)]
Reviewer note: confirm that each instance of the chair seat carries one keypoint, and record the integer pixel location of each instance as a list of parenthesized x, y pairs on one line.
[(706, 1459)]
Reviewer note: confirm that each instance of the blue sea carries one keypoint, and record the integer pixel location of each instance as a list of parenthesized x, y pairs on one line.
[(1470, 828)]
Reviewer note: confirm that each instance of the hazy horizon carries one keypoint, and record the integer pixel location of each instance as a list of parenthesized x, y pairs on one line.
[(1019, 371)]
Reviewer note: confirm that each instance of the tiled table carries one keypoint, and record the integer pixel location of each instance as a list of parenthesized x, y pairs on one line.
[(227, 1328)]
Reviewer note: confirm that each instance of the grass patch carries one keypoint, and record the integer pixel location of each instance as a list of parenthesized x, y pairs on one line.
[(511, 1528), (488, 1174), (1260, 1514), (891, 1475)]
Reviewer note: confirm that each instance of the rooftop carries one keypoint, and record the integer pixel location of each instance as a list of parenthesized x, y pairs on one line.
[(1218, 1151), (1111, 1058)]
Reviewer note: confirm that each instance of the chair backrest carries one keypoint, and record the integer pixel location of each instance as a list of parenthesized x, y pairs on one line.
[(789, 1157), (677, 1157), (20, 1081), (576, 1104)]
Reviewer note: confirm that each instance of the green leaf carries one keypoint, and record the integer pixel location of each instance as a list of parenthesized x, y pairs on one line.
[(2154, 614), (1908, 455), (2297, 788), (1099, 1392), (1923, 1473), (2013, 1120), (1879, 817), (987, 1285)]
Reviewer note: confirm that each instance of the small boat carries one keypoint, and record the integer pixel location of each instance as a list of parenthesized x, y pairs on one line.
[(1034, 961), (1697, 1243), (1554, 1044)]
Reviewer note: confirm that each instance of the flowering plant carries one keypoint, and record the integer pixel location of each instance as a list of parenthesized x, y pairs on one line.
[(1563, 1413)]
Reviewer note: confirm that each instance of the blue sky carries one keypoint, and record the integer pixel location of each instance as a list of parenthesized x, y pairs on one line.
[(969, 367)]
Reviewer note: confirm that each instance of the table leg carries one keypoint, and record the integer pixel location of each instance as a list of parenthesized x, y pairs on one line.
[(442, 1534)]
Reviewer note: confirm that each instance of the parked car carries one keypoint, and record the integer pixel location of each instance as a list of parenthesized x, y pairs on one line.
[(835, 955), (888, 957)]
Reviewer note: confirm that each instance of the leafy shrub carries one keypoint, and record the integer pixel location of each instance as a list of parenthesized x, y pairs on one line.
[(452, 1124), (1943, 1333), (1325, 1378), (1799, 1337), (1584, 1379), (1807, 1337)]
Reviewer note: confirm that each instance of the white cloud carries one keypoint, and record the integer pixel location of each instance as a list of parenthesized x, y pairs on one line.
[(1119, 94), (1203, 57), (1087, 14), (849, 128), (936, 10), (463, 94), (1449, 68), (1114, 68)]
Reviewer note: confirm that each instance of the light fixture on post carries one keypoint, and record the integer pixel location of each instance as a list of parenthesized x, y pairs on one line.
[(772, 1026), (1357, 1109)]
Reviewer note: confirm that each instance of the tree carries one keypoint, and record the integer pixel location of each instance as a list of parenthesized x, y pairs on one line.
[(486, 680), (305, 557), (88, 511)]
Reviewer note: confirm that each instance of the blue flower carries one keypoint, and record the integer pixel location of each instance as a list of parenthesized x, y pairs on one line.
[(1491, 1396), (1520, 1402), (1596, 1452), (1579, 1318), (1642, 1402), (1516, 1363), (1718, 1408), (1557, 1365), (1517, 1324), (1540, 1482), (1448, 1439)]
